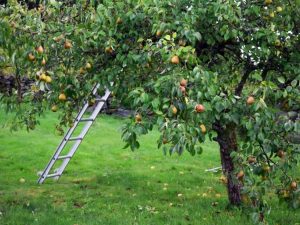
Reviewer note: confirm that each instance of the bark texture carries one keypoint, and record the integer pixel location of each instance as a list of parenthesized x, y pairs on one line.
[(10, 83), (227, 140)]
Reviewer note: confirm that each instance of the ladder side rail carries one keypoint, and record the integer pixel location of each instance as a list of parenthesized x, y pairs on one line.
[(86, 104), (81, 112), (94, 91), (100, 104)]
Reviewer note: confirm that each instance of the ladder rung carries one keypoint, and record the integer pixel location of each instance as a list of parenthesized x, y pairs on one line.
[(64, 157), (100, 100), (86, 119), (53, 175), (75, 139)]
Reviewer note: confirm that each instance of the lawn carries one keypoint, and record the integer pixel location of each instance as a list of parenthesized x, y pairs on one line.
[(106, 184)]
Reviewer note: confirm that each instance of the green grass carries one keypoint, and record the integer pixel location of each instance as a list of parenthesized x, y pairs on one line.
[(105, 184)]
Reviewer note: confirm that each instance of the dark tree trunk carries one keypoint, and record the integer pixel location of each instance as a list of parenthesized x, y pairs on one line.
[(227, 140), (3, 2), (31, 4)]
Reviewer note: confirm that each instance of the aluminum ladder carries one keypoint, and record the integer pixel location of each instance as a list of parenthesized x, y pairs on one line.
[(77, 140)]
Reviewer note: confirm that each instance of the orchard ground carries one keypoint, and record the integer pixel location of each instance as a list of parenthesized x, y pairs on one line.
[(105, 184)]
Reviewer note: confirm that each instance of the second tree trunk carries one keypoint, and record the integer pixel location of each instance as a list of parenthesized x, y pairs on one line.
[(227, 140)]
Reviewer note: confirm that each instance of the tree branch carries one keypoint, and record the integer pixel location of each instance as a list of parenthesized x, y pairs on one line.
[(242, 82)]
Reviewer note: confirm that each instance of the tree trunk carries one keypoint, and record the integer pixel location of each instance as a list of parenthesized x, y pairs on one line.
[(227, 140)]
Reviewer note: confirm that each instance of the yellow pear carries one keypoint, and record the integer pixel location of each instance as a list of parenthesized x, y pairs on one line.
[(175, 59), (48, 79), (279, 9), (267, 2), (62, 97), (203, 128), (43, 77), (54, 108)]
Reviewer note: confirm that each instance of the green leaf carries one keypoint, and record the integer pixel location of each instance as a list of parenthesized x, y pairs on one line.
[(140, 40), (219, 107), (174, 35), (197, 36), (144, 97), (168, 37), (294, 83), (199, 150), (288, 126), (158, 112), (281, 80)]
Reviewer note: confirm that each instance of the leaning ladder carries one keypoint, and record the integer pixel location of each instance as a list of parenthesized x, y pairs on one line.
[(77, 140)]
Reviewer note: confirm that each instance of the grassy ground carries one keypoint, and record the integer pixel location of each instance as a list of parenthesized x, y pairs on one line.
[(105, 184)]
